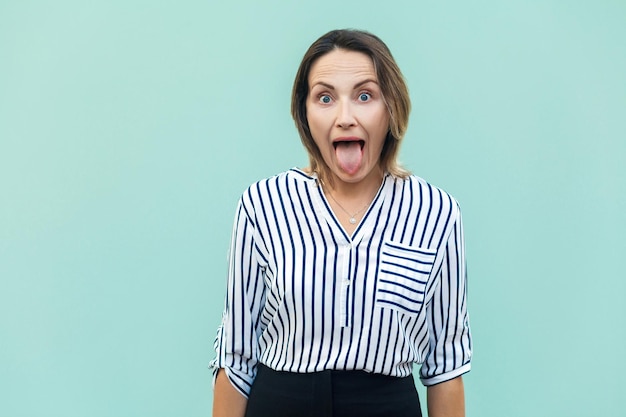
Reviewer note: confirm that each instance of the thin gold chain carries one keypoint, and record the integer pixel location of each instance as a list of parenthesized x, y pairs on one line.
[(353, 216)]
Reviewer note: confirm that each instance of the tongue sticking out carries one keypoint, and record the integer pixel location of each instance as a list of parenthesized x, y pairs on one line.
[(349, 156)]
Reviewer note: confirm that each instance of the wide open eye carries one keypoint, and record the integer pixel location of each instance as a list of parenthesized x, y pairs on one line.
[(364, 97), (325, 99)]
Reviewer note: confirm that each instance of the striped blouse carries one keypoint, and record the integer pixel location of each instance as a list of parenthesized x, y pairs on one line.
[(304, 296)]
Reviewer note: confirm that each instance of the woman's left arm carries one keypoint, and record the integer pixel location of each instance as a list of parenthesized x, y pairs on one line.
[(446, 399), (450, 342)]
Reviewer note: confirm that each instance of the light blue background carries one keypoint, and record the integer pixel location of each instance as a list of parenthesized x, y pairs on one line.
[(129, 129)]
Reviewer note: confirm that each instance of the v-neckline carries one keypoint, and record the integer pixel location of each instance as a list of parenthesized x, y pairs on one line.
[(366, 223)]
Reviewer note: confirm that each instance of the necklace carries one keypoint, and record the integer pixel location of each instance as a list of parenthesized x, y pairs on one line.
[(353, 216)]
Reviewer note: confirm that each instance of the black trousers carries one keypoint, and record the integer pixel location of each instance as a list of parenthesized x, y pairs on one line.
[(331, 394)]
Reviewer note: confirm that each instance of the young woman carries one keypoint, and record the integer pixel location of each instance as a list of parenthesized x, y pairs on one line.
[(345, 274)]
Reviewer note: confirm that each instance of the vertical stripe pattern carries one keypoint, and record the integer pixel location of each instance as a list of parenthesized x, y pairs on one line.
[(304, 296)]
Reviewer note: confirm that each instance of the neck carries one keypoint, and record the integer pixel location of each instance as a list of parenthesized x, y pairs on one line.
[(350, 200), (352, 191)]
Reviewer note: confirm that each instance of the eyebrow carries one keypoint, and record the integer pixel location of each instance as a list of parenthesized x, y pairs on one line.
[(357, 85)]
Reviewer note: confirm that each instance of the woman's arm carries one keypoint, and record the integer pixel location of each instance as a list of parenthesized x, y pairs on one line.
[(446, 399), (236, 340), (227, 401)]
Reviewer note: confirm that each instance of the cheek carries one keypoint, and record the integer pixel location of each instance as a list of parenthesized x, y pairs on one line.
[(314, 130), (377, 116), (317, 125), (379, 125)]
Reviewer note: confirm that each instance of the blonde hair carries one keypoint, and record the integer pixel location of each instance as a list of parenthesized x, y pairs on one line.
[(390, 79)]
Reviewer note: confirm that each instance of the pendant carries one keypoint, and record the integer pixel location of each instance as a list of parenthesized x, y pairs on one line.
[(352, 220)]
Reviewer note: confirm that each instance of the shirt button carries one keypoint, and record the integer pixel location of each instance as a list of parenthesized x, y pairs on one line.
[(346, 281)]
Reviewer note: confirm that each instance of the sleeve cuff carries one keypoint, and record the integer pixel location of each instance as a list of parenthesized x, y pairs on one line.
[(437, 379), (240, 380)]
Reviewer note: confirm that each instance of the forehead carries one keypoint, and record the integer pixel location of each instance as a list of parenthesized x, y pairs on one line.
[(342, 65)]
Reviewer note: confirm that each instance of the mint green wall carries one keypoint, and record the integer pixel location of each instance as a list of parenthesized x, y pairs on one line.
[(128, 129)]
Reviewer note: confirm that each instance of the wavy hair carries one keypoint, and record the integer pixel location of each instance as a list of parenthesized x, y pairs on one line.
[(392, 84)]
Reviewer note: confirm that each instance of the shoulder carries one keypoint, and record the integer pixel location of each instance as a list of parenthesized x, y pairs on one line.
[(268, 189), (434, 213), (428, 193)]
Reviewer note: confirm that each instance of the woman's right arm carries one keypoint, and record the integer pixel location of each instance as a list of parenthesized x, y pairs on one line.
[(236, 340), (227, 401)]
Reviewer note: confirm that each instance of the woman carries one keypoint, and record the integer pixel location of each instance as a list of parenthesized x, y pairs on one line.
[(345, 274)]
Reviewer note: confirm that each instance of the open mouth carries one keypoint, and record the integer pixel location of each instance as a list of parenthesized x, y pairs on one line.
[(348, 142), (349, 154)]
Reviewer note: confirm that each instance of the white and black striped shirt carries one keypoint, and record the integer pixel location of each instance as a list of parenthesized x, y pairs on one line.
[(304, 296)]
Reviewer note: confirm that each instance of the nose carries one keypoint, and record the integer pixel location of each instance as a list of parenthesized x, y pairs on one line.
[(345, 115)]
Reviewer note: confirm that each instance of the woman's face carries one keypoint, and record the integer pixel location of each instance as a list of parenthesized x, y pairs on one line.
[(347, 115)]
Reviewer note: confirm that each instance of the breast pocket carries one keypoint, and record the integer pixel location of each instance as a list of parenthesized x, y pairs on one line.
[(403, 272)]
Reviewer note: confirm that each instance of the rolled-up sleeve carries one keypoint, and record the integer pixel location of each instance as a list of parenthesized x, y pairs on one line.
[(450, 343), (236, 342)]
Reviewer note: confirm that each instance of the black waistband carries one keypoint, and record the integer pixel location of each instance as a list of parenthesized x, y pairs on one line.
[(352, 376), (331, 393)]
